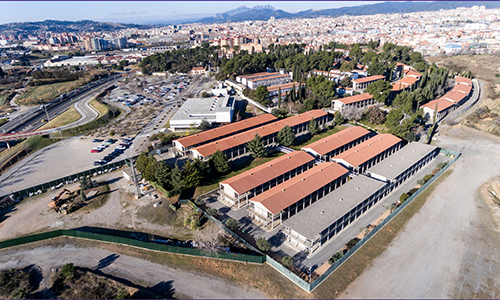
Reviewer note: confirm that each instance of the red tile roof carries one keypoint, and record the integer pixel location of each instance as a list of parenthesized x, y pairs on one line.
[(356, 98), (412, 73), (463, 80), (463, 88), (218, 132), (283, 86), (269, 77), (283, 195), (454, 96), (368, 149), (253, 178), (443, 104), (337, 140), (369, 79), (258, 74), (245, 137)]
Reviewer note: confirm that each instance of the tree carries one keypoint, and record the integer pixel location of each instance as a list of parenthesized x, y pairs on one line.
[(313, 127), (256, 147), (218, 162), (287, 261), (286, 136), (335, 257), (380, 90), (403, 197), (162, 175), (82, 196), (393, 118), (67, 271), (263, 244), (338, 118), (2, 73), (204, 125), (279, 113), (261, 95), (85, 183), (176, 179), (19, 293), (205, 95), (191, 175), (374, 115), (213, 212), (232, 224), (279, 97)]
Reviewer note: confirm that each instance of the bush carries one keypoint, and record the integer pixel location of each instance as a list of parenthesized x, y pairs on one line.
[(213, 212), (335, 257), (112, 133), (442, 164), (427, 177), (187, 222), (68, 271), (232, 224), (199, 201), (263, 244), (287, 261), (497, 75), (352, 243), (195, 224), (403, 197)]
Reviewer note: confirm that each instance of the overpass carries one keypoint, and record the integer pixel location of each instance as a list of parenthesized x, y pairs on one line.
[(20, 135)]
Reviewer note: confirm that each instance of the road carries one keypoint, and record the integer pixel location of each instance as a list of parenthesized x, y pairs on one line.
[(138, 271), (451, 248)]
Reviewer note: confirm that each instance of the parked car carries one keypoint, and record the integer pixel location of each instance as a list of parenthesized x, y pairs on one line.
[(96, 141), (95, 151)]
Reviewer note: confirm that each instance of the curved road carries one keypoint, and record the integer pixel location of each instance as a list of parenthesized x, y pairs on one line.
[(138, 271)]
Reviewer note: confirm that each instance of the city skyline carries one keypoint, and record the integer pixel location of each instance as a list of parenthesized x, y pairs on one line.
[(147, 12)]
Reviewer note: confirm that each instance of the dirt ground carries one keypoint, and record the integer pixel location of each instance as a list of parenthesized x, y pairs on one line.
[(121, 211), (451, 248)]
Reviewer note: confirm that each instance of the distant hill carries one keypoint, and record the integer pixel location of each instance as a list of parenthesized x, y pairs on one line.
[(264, 13), (64, 26)]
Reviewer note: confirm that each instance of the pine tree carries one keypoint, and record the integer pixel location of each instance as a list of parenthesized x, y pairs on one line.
[(192, 176), (256, 147), (313, 127), (279, 97), (177, 180), (286, 136), (218, 162), (292, 93)]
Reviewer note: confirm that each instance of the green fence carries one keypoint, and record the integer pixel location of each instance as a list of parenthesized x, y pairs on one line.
[(258, 259), (289, 274), (68, 179), (360, 243)]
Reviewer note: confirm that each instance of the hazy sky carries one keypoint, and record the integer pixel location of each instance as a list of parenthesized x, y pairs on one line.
[(139, 12)]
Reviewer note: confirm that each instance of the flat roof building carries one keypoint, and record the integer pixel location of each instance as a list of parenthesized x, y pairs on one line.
[(403, 164), (194, 110), (317, 224), (235, 146), (285, 200), (369, 153), (239, 189), (336, 143), (185, 143)]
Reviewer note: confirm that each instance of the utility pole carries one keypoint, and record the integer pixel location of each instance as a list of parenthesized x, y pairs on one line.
[(134, 178)]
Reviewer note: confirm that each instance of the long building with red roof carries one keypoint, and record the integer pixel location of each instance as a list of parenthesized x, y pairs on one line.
[(361, 101), (289, 198), (235, 146), (358, 85)]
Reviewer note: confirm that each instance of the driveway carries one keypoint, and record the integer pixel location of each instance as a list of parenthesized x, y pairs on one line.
[(451, 248)]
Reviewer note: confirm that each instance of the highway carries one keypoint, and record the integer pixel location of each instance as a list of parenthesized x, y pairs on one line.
[(32, 119)]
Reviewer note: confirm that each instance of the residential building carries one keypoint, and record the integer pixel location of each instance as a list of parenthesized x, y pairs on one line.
[(317, 224), (215, 110), (337, 143), (239, 189), (289, 198), (444, 107), (362, 101), (234, 147), (268, 81), (370, 152), (400, 166), (184, 144), (243, 79), (198, 71), (358, 85), (285, 89)]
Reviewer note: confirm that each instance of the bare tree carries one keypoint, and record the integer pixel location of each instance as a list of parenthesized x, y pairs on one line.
[(211, 236), (352, 113)]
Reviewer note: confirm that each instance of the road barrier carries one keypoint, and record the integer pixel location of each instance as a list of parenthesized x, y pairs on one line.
[(257, 259)]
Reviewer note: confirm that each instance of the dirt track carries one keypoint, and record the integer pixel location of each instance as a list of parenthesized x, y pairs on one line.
[(451, 248)]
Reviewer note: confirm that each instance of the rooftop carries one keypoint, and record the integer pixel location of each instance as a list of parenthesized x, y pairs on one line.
[(225, 130), (463, 88), (245, 137), (463, 80), (369, 79), (354, 99), (258, 74), (314, 219), (202, 108), (442, 104), (283, 86), (250, 179), (268, 77), (368, 149), (337, 140), (283, 195), (398, 162)]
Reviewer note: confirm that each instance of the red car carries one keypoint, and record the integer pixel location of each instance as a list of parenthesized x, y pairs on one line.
[(94, 151)]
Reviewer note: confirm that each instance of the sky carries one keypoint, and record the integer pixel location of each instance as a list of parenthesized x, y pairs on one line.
[(143, 11)]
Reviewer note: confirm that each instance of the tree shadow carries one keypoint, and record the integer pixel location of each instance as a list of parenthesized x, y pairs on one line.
[(277, 239), (110, 181), (107, 261)]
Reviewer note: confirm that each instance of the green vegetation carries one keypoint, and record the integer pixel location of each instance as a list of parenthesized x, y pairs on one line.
[(67, 117), (263, 244), (256, 147), (335, 257), (403, 197), (3, 121), (287, 261), (286, 137), (16, 284), (232, 224), (106, 114)]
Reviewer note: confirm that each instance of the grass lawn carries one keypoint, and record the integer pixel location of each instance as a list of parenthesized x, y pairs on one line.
[(379, 128), (102, 108), (363, 258), (67, 117), (3, 121), (237, 169), (318, 137), (46, 93)]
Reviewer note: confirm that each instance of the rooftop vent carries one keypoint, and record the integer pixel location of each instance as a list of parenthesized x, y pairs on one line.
[(356, 151), (251, 173), (322, 212), (341, 199), (403, 157), (303, 179), (392, 166), (357, 188), (283, 190), (413, 150), (270, 165), (289, 157), (216, 143), (338, 135)]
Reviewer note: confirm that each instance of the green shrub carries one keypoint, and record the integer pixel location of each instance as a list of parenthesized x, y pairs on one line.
[(287, 261), (403, 197), (68, 271), (213, 212), (263, 244), (195, 224), (187, 222), (232, 224), (427, 177), (335, 257), (199, 201), (112, 133), (442, 164)]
